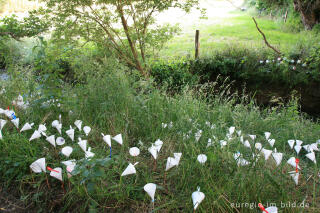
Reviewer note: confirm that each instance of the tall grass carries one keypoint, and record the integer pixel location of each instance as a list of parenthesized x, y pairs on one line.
[(111, 102)]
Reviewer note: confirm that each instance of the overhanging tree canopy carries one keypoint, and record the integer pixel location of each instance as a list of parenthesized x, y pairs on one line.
[(125, 26)]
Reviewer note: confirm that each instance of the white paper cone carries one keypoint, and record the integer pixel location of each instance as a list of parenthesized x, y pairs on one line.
[(311, 156), (197, 198), (231, 130), (198, 135), (307, 148), (59, 127), (129, 170), (51, 140), (253, 137), (118, 139), (134, 151), (88, 153), (258, 146), (239, 133), (107, 139), (299, 142), (15, 122), (67, 151), (266, 153), (42, 128), (291, 143), (83, 144), (60, 141), (153, 151), (247, 144), (39, 165), (2, 123), (314, 147), (78, 124), (69, 162), (177, 156), (158, 144), (295, 176), (297, 148), (277, 157), (86, 130), (202, 158), (1, 137), (272, 209), (26, 127), (171, 162), (57, 173), (70, 133), (35, 135), (267, 135), (222, 143), (150, 188), (292, 162), (271, 142), (55, 123)]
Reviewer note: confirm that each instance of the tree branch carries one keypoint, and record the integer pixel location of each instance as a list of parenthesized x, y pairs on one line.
[(265, 39)]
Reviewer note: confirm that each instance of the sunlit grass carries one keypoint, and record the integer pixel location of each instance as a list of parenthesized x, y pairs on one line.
[(238, 30)]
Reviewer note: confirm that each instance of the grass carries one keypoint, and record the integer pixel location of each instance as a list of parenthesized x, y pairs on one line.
[(238, 30), (112, 103)]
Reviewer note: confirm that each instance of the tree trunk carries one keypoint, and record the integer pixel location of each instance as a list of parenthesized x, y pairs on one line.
[(309, 11)]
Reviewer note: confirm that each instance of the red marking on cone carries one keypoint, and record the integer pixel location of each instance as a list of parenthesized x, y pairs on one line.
[(50, 169), (262, 208), (297, 162)]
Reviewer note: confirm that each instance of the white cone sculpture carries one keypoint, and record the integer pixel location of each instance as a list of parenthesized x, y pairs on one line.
[(295, 176), (258, 146), (70, 133), (56, 173), (197, 198), (171, 162), (15, 122), (297, 148), (56, 124), (35, 135), (66, 151), (118, 139), (130, 169), (86, 130), (271, 142), (231, 130), (177, 156), (42, 128), (299, 142), (267, 135), (107, 139), (158, 144), (88, 153), (272, 209), (150, 188), (266, 153), (291, 143), (39, 165), (247, 144), (277, 157), (198, 135), (312, 157), (134, 151), (78, 124), (202, 158), (26, 127), (292, 162), (83, 144), (60, 141), (253, 137), (154, 152), (307, 148), (51, 140), (314, 147), (2, 123)]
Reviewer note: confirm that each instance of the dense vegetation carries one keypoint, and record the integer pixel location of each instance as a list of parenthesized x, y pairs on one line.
[(79, 75)]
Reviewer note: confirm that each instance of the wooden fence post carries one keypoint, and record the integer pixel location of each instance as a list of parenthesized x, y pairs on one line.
[(197, 44)]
